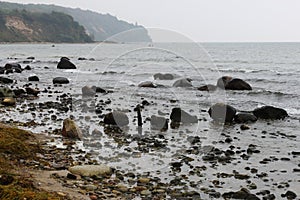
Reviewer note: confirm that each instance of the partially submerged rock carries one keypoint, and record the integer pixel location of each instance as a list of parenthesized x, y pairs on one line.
[(148, 84), (116, 118), (185, 82), (229, 83), (161, 76), (208, 88), (5, 80), (244, 117), (65, 63), (91, 170), (60, 80), (33, 78), (71, 130), (179, 115), (270, 112), (222, 112)]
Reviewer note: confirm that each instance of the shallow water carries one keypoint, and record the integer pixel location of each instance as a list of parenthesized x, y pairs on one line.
[(271, 68)]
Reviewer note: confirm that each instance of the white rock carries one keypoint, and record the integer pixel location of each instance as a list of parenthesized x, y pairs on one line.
[(91, 170)]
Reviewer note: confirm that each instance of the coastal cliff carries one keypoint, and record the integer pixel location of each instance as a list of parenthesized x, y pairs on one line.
[(24, 26), (100, 27)]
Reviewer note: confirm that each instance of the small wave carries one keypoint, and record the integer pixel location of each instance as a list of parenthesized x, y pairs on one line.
[(78, 71), (267, 92)]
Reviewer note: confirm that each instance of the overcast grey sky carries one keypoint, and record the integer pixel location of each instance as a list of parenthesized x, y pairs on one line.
[(204, 20)]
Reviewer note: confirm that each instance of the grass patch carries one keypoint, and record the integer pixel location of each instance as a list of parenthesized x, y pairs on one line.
[(15, 183)]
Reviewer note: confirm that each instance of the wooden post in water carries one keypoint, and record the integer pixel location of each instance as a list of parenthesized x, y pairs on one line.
[(140, 120)]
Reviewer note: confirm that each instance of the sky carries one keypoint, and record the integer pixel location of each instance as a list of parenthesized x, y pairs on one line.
[(204, 20)]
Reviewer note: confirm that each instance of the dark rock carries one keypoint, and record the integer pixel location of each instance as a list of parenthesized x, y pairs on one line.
[(19, 92), (5, 80), (81, 58), (65, 63), (244, 127), (2, 70), (242, 194), (71, 130), (6, 92), (32, 91), (6, 179), (31, 58), (223, 81), (148, 84), (244, 117), (12, 66), (229, 83), (159, 123), (27, 67), (238, 84), (60, 80), (88, 91), (207, 88), (222, 113), (99, 90), (185, 82), (18, 70), (33, 78), (270, 112), (71, 176), (163, 76), (9, 71), (178, 115), (290, 195), (116, 118)]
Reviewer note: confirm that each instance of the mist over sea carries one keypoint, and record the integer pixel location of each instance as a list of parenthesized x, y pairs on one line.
[(272, 69)]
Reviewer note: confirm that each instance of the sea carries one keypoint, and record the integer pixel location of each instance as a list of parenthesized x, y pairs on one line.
[(272, 69)]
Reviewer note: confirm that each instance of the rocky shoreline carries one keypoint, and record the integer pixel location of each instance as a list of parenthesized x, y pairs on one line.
[(193, 169)]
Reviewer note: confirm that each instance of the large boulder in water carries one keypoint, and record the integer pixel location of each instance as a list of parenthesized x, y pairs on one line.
[(244, 117), (60, 80), (33, 78), (163, 76), (5, 80), (71, 130), (185, 82), (116, 118), (270, 112), (229, 83), (179, 115), (13, 67), (222, 112), (65, 63)]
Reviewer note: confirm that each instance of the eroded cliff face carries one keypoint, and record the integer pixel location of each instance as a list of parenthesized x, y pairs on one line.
[(23, 26), (17, 24), (100, 27)]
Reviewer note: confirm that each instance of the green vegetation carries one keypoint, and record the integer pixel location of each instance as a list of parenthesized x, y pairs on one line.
[(15, 183), (99, 26), (24, 26)]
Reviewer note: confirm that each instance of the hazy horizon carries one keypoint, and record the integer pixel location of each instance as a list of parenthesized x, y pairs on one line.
[(203, 20)]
